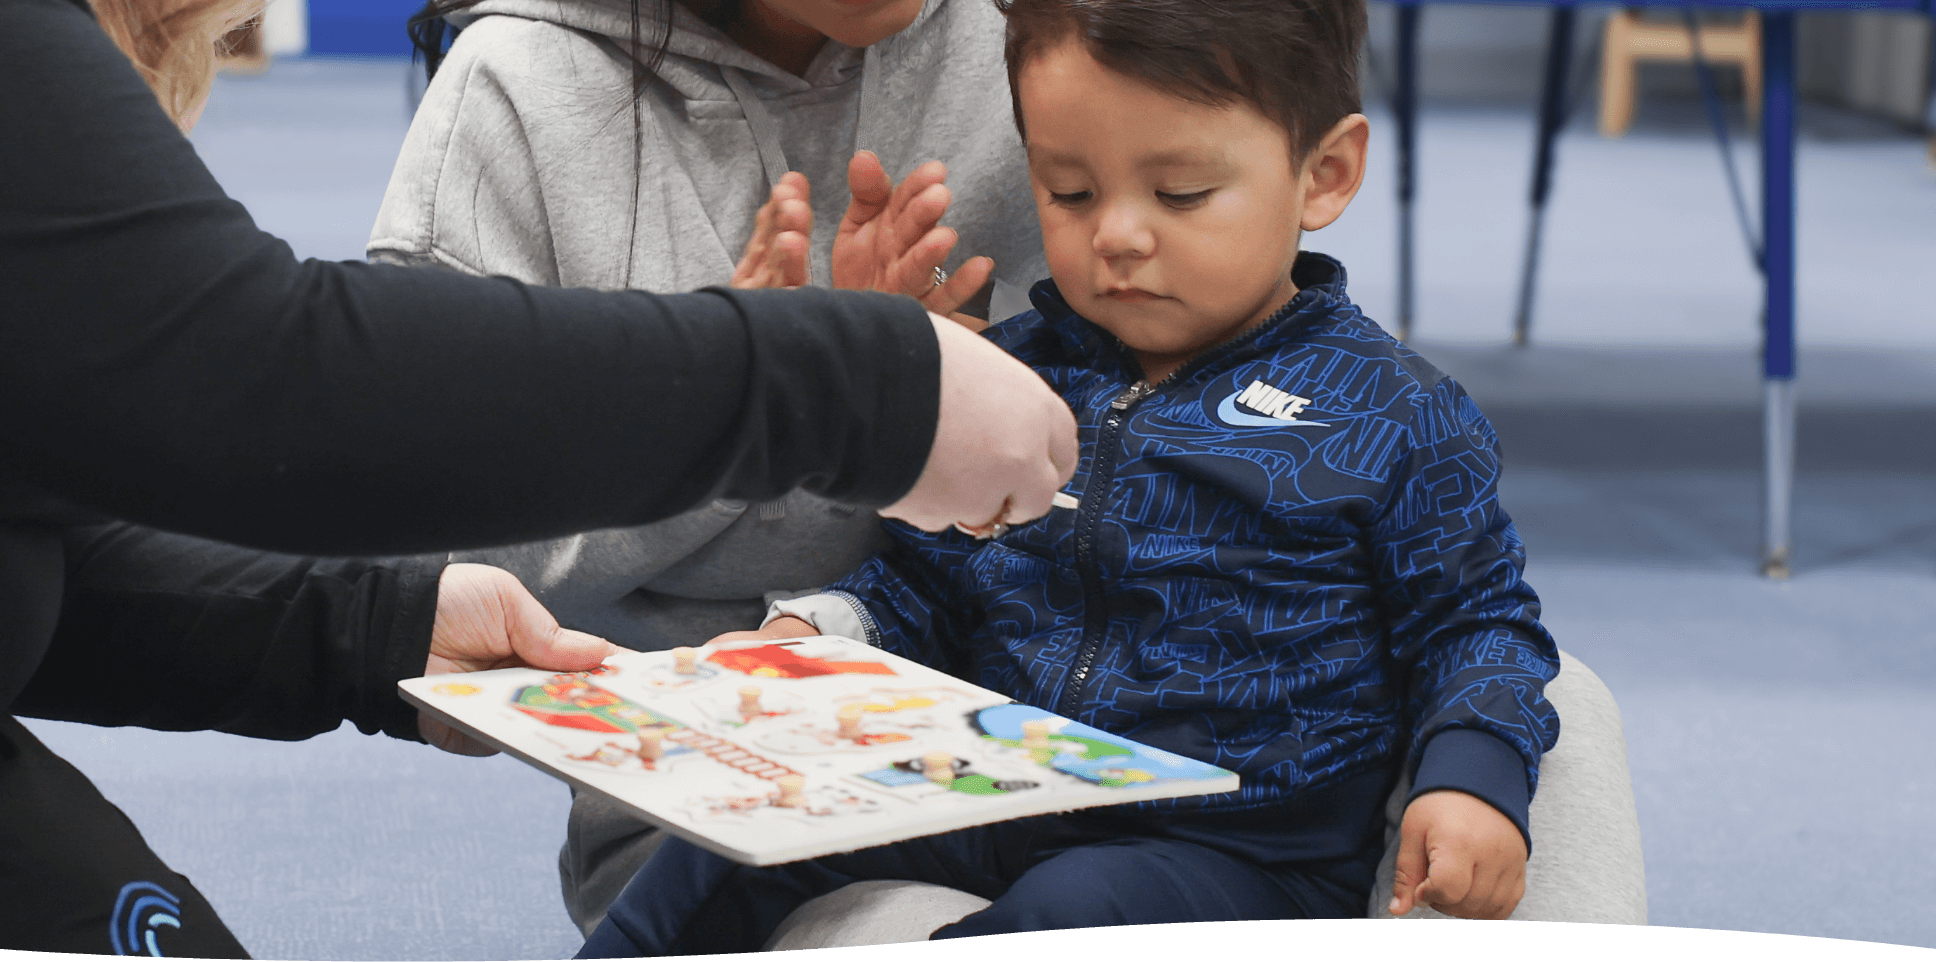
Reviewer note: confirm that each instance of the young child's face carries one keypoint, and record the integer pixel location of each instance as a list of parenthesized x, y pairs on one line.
[(1171, 224)]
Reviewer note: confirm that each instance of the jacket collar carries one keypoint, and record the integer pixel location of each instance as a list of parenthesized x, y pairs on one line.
[(1320, 281)]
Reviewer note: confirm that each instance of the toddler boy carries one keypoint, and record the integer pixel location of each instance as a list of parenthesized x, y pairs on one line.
[(1289, 559)]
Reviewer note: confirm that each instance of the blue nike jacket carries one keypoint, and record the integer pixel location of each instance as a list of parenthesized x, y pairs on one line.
[(1289, 561)]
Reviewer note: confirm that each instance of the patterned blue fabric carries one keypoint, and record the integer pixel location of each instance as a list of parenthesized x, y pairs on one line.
[(1296, 581)]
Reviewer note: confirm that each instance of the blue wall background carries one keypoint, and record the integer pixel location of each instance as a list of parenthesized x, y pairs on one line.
[(361, 27)]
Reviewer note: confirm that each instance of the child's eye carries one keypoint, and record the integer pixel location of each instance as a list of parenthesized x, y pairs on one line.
[(1184, 201), (1069, 200)]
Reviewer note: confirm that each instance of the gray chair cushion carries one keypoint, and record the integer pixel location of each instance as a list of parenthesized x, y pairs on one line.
[(874, 913)]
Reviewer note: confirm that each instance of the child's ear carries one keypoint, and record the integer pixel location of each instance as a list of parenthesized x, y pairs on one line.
[(1333, 170)]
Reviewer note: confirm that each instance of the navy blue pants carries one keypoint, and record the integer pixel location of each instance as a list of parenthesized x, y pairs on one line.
[(1050, 872)]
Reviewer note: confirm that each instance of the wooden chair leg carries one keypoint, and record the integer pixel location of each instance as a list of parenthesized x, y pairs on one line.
[(1617, 74)]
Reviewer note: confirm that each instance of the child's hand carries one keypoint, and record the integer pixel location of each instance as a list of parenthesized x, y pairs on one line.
[(891, 240), (1459, 855), (785, 626), (776, 254)]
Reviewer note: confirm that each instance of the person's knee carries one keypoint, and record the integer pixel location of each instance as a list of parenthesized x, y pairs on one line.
[(1083, 888), (1135, 881), (689, 901), (1119, 885)]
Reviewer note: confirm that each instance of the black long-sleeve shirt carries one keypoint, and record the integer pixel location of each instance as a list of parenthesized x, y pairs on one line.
[(177, 633), (163, 361)]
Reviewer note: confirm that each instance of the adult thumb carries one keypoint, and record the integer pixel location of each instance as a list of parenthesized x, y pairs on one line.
[(539, 641)]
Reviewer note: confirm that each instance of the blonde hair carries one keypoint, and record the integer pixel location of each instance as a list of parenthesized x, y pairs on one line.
[(174, 43)]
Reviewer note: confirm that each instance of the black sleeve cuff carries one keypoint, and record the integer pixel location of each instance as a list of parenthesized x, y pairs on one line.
[(184, 634), (405, 649), (1478, 764), (845, 392)]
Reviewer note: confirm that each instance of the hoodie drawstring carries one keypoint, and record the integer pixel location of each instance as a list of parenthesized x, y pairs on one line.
[(766, 129), (872, 75)]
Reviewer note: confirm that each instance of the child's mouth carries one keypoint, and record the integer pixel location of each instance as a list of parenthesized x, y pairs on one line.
[(1130, 295)]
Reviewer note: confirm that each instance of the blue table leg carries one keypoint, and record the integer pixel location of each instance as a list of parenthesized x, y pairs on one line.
[(1778, 239), (1552, 116), (1929, 117), (1405, 112)]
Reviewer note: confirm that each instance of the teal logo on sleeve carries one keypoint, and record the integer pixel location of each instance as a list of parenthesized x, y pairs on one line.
[(140, 911)]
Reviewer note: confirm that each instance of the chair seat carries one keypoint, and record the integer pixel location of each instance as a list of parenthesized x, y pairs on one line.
[(1630, 39), (873, 913), (1585, 866)]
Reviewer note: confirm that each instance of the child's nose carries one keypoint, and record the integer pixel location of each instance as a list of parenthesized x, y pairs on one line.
[(1122, 232)]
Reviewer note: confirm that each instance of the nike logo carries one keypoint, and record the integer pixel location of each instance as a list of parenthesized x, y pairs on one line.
[(1274, 408)]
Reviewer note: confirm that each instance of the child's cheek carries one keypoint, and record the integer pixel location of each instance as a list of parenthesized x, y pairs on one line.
[(1066, 242)]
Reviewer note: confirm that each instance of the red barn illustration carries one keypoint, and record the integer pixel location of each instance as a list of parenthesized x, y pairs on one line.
[(779, 661), (569, 701)]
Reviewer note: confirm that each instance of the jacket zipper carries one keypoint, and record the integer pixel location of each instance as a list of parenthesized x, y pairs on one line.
[(1089, 516), (1088, 523)]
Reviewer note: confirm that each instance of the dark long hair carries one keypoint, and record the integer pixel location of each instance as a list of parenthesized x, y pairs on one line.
[(431, 34)]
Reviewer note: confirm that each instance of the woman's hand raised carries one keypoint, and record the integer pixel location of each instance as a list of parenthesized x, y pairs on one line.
[(891, 239), (776, 254)]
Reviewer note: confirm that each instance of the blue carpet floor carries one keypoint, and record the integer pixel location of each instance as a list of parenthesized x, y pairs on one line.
[(1778, 732)]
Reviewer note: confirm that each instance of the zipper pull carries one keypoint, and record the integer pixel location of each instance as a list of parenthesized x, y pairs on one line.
[(1136, 392)]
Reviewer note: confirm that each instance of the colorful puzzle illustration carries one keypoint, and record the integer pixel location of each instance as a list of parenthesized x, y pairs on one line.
[(771, 752)]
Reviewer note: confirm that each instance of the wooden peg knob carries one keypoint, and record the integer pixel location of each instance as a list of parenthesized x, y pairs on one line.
[(1035, 735), (790, 791), (652, 744), (939, 767), (850, 716)]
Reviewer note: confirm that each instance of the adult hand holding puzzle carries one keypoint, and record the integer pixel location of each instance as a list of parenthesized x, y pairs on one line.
[(487, 619), (1459, 855)]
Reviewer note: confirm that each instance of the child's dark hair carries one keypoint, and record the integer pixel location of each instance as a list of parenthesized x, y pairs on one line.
[(1296, 61)]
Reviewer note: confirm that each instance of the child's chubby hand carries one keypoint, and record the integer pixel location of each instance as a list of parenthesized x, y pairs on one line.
[(1459, 855), (785, 626)]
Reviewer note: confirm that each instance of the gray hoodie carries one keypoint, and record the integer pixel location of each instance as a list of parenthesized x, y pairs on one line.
[(522, 161)]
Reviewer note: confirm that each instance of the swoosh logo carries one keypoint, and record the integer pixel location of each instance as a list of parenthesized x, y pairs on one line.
[(1227, 411)]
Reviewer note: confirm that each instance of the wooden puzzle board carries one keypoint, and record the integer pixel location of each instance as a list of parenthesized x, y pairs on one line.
[(721, 778)]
